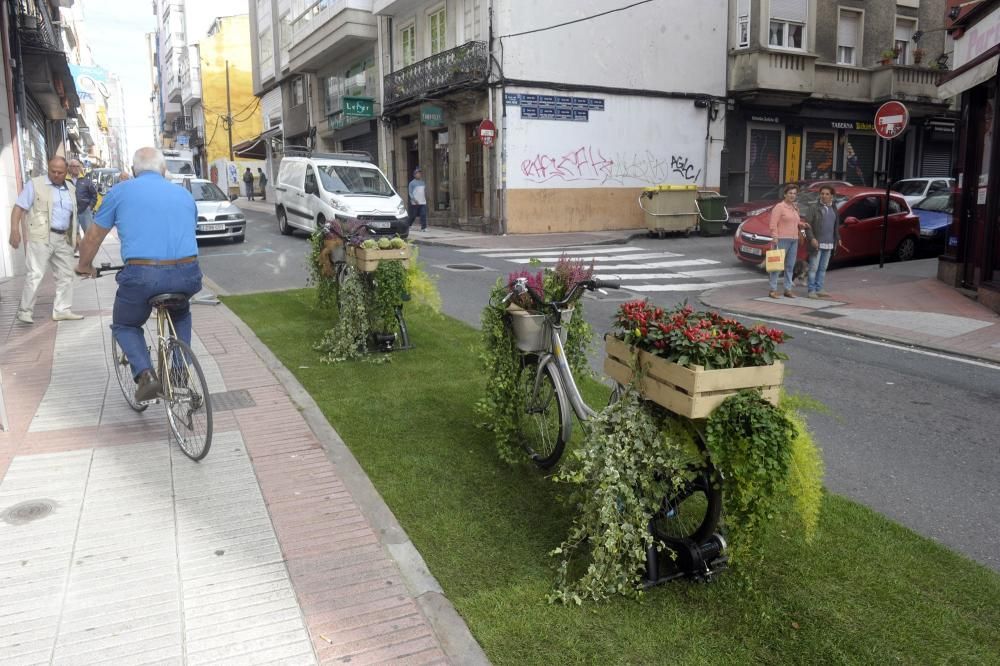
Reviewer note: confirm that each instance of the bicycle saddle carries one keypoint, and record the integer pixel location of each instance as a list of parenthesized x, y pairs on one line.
[(168, 301)]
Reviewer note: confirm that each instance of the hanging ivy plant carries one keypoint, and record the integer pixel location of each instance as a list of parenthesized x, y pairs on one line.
[(349, 336), (320, 270), (389, 282)]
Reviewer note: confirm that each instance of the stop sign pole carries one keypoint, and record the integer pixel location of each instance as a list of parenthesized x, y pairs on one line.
[(891, 120)]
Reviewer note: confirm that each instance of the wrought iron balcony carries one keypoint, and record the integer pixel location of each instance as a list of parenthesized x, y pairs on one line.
[(37, 25), (465, 66)]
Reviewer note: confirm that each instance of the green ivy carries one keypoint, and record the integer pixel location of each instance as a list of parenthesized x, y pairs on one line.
[(349, 336), (750, 441), (389, 282), (326, 285), (634, 454)]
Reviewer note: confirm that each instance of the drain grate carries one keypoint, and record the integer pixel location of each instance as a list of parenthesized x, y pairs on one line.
[(238, 399), (26, 512), (823, 314), (465, 267)]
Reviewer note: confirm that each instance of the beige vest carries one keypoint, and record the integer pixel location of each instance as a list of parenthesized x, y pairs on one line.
[(40, 215)]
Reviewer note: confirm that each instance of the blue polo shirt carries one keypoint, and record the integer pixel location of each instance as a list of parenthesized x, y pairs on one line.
[(156, 219)]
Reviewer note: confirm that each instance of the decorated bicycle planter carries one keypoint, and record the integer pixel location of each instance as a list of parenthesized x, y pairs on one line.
[(366, 259), (532, 331), (693, 392)]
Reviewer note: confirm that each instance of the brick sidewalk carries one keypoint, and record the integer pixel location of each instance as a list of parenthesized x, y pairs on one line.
[(114, 547)]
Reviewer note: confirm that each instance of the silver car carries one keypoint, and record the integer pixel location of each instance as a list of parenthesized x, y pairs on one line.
[(218, 217)]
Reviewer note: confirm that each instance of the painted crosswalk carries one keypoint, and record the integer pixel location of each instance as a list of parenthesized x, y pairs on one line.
[(638, 269)]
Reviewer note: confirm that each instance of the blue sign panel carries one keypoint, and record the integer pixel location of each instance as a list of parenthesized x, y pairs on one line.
[(581, 115), (554, 107), (529, 112), (511, 99), (547, 114)]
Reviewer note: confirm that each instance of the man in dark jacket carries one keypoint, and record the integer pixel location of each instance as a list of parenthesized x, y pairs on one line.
[(823, 238), (248, 181), (86, 195)]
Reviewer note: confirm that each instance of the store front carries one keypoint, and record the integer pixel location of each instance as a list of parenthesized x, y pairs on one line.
[(972, 257)]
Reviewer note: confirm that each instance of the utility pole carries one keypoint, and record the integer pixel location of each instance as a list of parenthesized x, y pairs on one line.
[(229, 114)]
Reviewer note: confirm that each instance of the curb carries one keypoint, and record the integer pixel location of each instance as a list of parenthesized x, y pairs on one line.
[(704, 296), (453, 634)]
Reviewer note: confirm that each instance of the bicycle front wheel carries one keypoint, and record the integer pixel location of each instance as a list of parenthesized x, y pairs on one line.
[(544, 426), (189, 407), (692, 510), (124, 373)]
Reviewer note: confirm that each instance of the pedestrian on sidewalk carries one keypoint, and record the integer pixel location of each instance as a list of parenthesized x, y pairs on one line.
[(785, 236), (823, 236), (248, 181), (418, 199), (262, 179), (156, 225), (86, 195), (47, 208)]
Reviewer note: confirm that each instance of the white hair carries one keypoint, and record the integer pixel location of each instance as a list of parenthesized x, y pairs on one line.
[(149, 159)]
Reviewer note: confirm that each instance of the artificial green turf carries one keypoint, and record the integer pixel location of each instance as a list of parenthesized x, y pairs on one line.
[(867, 590)]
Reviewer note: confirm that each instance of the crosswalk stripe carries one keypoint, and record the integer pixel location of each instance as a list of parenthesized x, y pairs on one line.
[(571, 253), (711, 272), (568, 248), (660, 264), (689, 286), (625, 257)]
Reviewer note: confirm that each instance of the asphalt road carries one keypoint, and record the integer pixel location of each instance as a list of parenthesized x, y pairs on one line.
[(911, 435)]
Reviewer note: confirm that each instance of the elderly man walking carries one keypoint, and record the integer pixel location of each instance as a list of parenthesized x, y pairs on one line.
[(47, 209)]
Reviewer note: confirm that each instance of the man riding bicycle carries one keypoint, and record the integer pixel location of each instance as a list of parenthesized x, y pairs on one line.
[(156, 223)]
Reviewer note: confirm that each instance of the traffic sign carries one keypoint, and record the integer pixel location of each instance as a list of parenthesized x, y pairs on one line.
[(487, 132), (891, 119)]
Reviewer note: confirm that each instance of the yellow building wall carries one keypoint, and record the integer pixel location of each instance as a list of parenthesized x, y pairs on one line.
[(230, 43)]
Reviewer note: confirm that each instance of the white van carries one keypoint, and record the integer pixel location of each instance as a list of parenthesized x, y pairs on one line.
[(313, 189), (180, 164)]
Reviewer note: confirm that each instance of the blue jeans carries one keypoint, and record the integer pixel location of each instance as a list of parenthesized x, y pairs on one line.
[(136, 285), (419, 210), (84, 218), (791, 248), (818, 261)]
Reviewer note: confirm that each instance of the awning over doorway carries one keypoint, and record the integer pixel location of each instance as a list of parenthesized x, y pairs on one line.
[(254, 149), (971, 77)]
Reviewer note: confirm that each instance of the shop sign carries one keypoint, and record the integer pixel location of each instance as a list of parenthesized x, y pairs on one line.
[(432, 116), (797, 121), (358, 107), (793, 154), (977, 39)]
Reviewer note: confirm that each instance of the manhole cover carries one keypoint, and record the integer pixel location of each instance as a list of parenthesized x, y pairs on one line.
[(26, 512), (465, 267), (238, 399)]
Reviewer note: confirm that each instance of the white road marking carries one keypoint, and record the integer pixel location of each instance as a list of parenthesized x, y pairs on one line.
[(627, 257), (687, 286), (571, 253)]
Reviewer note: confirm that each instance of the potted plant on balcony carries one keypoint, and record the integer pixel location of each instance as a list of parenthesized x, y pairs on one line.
[(888, 56), (918, 56)]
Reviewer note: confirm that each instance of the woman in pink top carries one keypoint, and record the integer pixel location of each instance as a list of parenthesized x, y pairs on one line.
[(785, 236)]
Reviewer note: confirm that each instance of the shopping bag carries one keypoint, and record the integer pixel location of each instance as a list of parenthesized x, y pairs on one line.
[(774, 261)]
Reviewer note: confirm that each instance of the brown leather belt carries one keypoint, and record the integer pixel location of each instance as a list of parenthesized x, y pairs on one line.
[(161, 262), (61, 232)]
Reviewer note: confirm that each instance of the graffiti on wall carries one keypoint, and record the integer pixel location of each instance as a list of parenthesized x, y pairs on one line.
[(593, 164)]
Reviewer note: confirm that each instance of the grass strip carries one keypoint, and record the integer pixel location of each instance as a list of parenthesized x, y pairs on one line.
[(867, 590)]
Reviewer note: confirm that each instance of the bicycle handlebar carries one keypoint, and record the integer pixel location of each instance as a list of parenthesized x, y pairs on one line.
[(521, 287), (107, 268)]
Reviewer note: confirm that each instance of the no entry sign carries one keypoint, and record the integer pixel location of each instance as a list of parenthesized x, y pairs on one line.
[(487, 132), (891, 119)]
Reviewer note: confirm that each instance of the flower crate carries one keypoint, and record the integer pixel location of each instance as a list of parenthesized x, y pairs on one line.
[(366, 259), (691, 392)]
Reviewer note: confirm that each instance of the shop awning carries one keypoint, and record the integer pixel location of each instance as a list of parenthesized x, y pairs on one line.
[(966, 78), (253, 149)]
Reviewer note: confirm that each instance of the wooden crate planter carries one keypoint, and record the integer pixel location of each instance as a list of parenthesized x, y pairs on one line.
[(366, 259), (691, 392)]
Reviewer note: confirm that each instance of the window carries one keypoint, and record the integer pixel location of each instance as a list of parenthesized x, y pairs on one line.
[(358, 75), (408, 44), (331, 94), (442, 189), (266, 48), (787, 28), (310, 182), (905, 27), (438, 22), (474, 20), (743, 23), (298, 92), (284, 32), (896, 207), (848, 37), (863, 209)]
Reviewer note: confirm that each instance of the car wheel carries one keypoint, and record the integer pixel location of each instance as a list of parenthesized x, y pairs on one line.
[(906, 249), (283, 223)]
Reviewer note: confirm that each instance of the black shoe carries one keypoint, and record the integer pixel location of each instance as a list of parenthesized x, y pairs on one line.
[(147, 387)]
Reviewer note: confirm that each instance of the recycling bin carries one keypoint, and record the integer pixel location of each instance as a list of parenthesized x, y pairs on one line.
[(669, 209), (712, 213)]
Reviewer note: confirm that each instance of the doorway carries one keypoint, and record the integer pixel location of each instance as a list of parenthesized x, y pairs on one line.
[(412, 149), (474, 169)]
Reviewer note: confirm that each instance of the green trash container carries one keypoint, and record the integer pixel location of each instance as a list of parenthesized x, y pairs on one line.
[(712, 213)]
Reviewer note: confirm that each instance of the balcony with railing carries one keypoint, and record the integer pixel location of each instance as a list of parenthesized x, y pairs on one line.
[(787, 75), (906, 83), (190, 74), (843, 82), (36, 26), (463, 67), (327, 29)]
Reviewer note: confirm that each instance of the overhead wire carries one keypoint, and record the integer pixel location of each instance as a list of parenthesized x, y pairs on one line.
[(579, 20)]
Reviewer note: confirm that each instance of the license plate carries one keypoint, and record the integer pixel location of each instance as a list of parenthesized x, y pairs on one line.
[(212, 227), (379, 225), (756, 251)]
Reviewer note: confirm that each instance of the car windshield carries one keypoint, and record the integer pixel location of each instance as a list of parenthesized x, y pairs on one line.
[(354, 180), (942, 203), (207, 192), (910, 188), (179, 166)]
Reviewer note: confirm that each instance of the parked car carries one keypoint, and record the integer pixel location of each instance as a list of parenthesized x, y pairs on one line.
[(861, 213), (321, 187), (916, 189), (740, 212), (935, 218), (218, 217)]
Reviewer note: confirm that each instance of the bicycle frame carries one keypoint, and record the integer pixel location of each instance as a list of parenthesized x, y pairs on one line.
[(557, 355)]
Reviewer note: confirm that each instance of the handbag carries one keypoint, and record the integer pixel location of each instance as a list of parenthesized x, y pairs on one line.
[(774, 261)]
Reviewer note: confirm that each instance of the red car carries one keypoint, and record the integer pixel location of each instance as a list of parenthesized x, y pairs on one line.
[(861, 211), (740, 212)]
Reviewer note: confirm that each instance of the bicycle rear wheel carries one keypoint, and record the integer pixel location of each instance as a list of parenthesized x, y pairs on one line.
[(543, 424), (124, 373), (691, 511), (189, 407)]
